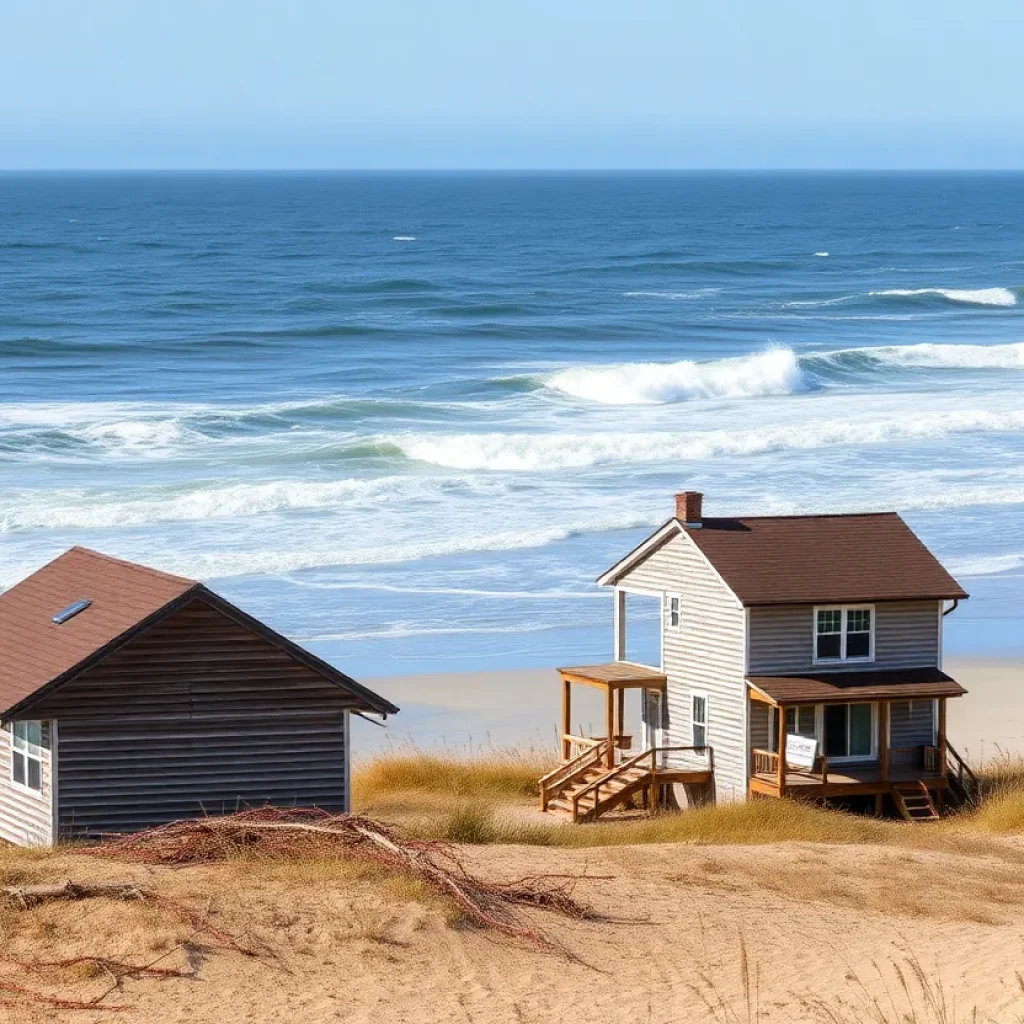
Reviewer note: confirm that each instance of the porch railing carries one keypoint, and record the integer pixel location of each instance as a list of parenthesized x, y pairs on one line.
[(591, 754), (577, 745), (766, 762), (651, 761)]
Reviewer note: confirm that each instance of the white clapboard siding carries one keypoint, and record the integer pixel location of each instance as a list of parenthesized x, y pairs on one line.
[(26, 817), (705, 655), (782, 638)]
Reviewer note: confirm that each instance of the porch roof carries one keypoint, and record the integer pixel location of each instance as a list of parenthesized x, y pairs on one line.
[(844, 687), (615, 675)]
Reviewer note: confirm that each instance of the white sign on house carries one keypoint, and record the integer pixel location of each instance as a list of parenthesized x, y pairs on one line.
[(801, 751)]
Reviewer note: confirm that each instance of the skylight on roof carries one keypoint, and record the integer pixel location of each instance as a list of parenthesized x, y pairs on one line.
[(71, 611)]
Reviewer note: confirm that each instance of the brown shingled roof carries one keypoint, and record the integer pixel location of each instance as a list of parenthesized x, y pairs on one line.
[(842, 687), (125, 599), (34, 651), (823, 559)]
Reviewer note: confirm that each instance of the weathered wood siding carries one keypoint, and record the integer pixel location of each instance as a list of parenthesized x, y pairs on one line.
[(782, 638), (705, 655), (199, 715), (26, 817), (912, 723)]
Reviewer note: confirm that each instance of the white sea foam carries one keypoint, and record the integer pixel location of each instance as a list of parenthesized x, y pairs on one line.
[(774, 372), (404, 238), (821, 254), (972, 296), (985, 565), (954, 357), (539, 453), (277, 562), (698, 293), (75, 509)]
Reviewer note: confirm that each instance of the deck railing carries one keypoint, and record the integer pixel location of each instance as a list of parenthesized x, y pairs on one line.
[(766, 762), (592, 753), (652, 757)]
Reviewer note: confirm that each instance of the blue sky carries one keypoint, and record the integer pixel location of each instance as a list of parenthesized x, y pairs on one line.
[(519, 83)]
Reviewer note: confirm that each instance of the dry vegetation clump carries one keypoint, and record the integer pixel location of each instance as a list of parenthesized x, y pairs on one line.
[(498, 773), (300, 833)]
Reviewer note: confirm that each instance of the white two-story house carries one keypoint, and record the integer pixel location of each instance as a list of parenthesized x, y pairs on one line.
[(800, 656)]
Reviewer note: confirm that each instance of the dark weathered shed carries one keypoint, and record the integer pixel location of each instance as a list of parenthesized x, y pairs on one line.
[(166, 700)]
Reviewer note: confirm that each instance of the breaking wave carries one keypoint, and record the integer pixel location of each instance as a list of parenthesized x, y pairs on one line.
[(533, 452), (25, 510), (971, 296), (774, 372)]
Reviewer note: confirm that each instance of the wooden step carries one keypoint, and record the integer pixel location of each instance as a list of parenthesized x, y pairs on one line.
[(914, 802)]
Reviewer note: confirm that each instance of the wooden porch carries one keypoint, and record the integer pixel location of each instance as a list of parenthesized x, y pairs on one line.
[(601, 773), (911, 775)]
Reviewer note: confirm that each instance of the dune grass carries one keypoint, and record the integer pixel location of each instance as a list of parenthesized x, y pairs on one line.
[(490, 798), (502, 773)]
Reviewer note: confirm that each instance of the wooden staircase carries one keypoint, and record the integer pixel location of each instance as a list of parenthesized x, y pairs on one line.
[(914, 801), (585, 788)]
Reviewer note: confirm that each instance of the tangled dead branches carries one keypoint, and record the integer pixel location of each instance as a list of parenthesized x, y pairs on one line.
[(307, 832)]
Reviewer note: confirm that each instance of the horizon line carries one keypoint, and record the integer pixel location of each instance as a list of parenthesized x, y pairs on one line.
[(510, 170)]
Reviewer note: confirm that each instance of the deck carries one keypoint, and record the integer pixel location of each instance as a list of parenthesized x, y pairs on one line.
[(840, 782)]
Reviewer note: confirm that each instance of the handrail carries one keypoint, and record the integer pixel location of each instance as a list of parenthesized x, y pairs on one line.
[(564, 771), (963, 768), (652, 752)]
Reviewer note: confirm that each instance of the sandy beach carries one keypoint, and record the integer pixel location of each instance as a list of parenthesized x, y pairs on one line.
[(520, 707)]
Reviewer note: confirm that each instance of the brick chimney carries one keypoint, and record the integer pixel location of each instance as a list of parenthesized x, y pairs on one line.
[(689, 505)]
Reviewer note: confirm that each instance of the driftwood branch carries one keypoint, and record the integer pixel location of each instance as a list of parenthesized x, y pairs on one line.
[(32, 895)]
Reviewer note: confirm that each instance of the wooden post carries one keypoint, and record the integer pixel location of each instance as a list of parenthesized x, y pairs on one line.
[(883, 741), (941, 742), (781, 716), (609, 757), (621, 712), (566, 716), (620, 624)]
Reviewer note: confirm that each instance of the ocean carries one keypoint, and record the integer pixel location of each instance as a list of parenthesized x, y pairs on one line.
[(407, 419)]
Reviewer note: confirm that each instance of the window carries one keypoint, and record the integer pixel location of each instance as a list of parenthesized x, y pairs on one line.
[(849, 730), (699, 720), (28, 741), (673, 611), (844, 634), (801, 720)]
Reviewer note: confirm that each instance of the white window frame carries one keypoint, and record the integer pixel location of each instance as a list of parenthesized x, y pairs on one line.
[(696, 695), (20, 747), (845, 610), (872, 755), (670, 626)]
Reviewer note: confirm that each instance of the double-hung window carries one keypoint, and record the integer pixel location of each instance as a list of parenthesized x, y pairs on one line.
[(27, 741), (699, 720), (673, 611), (844, 633)]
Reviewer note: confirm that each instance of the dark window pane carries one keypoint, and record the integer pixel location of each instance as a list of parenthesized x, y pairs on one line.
[(860, 730), (829, 645), (699, 735), (35, 775), (830, 621), (858, 645), (835, 730), (18, 768), (805, 720), (859, 621)]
